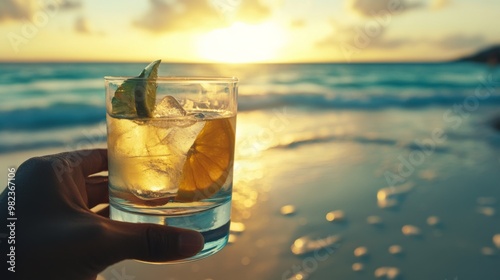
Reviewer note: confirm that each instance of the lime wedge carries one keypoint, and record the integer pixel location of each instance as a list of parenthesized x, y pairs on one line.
[(136, 96)]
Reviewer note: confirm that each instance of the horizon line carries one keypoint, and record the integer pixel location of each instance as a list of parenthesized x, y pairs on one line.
[(231, 63)]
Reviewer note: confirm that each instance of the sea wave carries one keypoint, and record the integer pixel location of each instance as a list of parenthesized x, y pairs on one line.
[(65, 114), (50, 86), (54, 115), (44, 104), (357, 101), (74, 143)]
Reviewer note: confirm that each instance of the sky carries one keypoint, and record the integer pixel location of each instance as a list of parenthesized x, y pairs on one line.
[(245, 31)]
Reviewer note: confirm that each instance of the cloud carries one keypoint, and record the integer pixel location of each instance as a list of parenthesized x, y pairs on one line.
[(16, 9), (70, 5), (250, 11), (167, 16), (369, 8), (182, 15), (357, 38), (394, 43), (439, 4), (359, 41), (340, 34), (82, 25), (461, 41), (350, 40), (360, 36)]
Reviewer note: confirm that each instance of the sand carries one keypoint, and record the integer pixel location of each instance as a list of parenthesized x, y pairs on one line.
[(456, 184)]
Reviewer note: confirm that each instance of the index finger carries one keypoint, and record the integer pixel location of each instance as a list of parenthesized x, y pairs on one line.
[(88, 161)]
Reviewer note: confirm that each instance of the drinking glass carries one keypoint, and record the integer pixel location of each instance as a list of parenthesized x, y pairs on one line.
[(174, 166)]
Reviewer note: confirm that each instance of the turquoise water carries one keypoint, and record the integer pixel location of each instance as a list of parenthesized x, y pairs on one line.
[(41, 104)]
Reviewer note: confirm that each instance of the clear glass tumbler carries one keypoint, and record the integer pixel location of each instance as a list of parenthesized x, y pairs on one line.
[(173, 165)]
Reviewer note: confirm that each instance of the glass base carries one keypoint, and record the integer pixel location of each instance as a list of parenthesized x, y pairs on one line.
[(212, 223)]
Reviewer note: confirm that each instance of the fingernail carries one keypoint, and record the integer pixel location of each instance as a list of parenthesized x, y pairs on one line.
[(190, 243)]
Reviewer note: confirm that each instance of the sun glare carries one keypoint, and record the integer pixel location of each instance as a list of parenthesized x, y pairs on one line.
[(242, 43)]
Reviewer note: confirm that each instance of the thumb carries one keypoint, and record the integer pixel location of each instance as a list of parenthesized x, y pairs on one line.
[(151, 242)]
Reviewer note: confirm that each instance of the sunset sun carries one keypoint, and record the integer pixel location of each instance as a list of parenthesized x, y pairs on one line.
[(242, 43)]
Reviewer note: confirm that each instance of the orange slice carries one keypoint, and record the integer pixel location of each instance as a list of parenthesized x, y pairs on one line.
[(209, 161)]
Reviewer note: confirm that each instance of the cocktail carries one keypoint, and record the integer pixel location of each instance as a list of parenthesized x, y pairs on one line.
[(171, 148)]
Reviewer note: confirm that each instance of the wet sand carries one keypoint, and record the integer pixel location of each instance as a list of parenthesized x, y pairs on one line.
[(456, 185), (442, 218)]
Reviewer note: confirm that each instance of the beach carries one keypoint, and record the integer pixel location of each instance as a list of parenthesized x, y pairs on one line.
[(456, 183), (398, 154)]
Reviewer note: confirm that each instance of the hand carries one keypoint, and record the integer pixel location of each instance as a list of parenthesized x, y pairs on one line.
[(58, 237)]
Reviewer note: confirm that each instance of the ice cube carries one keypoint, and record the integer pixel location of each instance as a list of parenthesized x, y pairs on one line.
[(168, 107), (154, 155), (166, 142), (172, 136), (180, 140)]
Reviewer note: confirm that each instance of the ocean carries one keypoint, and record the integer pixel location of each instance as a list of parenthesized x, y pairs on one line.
[(42, 104), (402, 142)]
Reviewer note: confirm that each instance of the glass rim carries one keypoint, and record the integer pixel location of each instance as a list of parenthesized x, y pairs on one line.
[(179, 79)]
